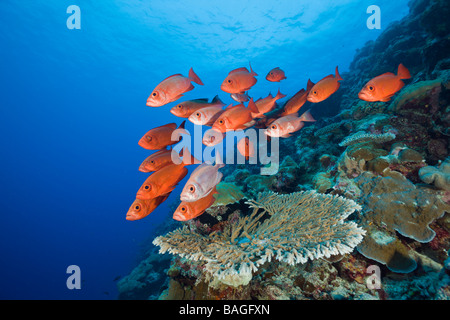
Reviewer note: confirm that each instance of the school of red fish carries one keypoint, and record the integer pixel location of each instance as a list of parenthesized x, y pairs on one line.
[(199, 190)]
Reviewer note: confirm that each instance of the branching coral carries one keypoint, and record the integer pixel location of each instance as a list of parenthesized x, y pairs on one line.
[(300, 226)]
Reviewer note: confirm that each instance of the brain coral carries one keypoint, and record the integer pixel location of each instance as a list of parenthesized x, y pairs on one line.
[(393, 203), (300, 226)]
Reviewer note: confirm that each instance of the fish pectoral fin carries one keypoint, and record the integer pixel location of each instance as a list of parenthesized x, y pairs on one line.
[(287, 135), (179, 96)]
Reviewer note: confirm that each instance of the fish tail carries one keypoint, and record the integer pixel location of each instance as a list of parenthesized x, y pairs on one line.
[(219, 162), (307, 117), (194, 77), (253, 73), (279, 95), (309, 85), (338, 76), (252, 106), (403, 72)]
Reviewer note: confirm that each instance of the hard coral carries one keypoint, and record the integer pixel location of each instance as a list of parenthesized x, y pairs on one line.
[(301, 226)]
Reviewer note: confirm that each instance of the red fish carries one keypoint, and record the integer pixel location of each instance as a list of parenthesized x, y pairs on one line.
[(236, 117), (160, 137), (185, 109), (324, 88), (142, 208), (172, 88), (156, 161), (283, 126), (276, 75), (239, 80), (297, 101), (246, 148), (267, 104), (190, 210), (166, 179), (212, 137), (206, 116), (383, 87)]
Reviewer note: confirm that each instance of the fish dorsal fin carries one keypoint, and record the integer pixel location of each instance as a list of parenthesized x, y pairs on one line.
[(174, 75), (387, 74), (309, 85), (216, 100), (203, 100), (169, 125), (238, 70), (329, 76)]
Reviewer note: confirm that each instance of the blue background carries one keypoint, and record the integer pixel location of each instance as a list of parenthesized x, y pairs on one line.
[(72, 108)]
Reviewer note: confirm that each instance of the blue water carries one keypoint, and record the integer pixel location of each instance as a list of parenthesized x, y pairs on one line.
[(72, 110)]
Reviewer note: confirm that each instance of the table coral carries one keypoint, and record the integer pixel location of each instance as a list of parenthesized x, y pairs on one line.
[(300, 226)]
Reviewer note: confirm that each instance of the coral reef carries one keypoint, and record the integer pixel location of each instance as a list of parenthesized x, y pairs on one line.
[(301, 226), (390, 160), (439, 176)]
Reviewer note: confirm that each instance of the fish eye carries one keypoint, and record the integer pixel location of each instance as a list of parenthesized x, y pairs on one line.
[(197, 114), (137, 207), (152, 162), (271, 73), (191, 188), (221, 121), (371, 88), (183, 209), (179, 106), (274, 126), (149, 138), (147, 187), (229, 81), (154, 94), (314, 92)]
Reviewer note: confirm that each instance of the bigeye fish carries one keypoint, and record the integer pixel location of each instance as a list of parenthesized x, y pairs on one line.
[(142, 208), (267, 104), (283, 126), (190, 210), (324, 88), (166, 179), (239, 80), (156, 161), (240, 97), (202, 181), (236, 117), (294, 104), (276, 75), (172, 89), (212, 137), (206, 116), (160, 137), (383, 87), (246, 148), (186, 108)]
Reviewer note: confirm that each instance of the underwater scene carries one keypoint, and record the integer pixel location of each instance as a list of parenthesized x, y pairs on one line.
[(225, 150)]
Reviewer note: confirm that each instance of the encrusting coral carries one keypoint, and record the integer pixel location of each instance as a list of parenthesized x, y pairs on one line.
[(439, 176), (393, 203), (300, 226)]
